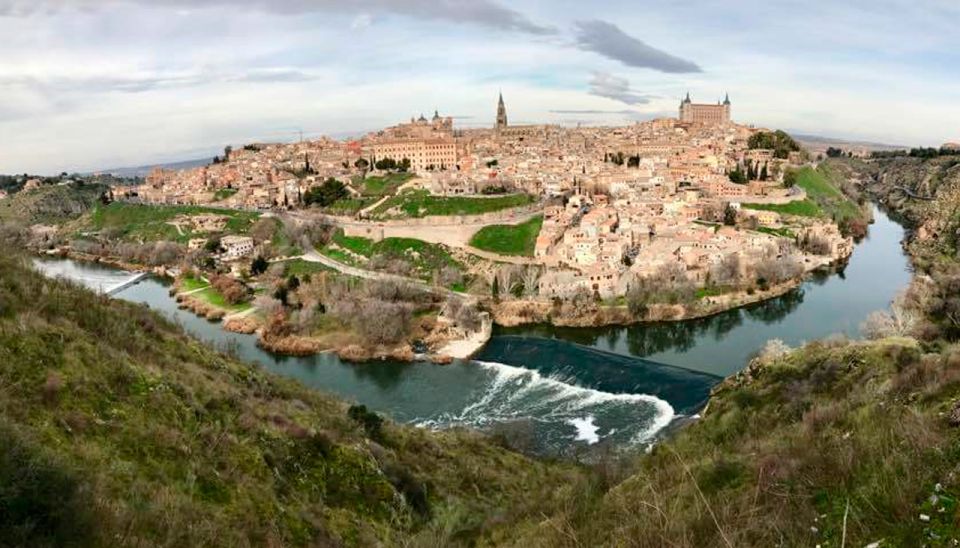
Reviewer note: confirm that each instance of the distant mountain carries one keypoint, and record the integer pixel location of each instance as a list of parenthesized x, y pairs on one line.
[(819, 141), (142, 171)]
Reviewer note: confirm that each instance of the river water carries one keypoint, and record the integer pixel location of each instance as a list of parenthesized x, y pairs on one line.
[(563, 390)]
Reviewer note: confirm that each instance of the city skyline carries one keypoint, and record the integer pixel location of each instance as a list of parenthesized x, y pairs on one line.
[(92, 85)]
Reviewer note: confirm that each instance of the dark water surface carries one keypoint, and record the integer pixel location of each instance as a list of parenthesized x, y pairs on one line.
[(568, 387)]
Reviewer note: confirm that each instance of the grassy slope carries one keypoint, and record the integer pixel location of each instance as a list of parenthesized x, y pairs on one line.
[(509, 239), (801, 208), (380, 185), (150, 222), (824, 198), (819, 185), (426, 258), (120, 430), (850, 428), (421, 204)]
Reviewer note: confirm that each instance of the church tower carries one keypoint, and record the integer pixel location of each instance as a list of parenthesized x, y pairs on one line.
[(501, 113)]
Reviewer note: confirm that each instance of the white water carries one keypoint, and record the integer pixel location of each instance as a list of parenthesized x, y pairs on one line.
[(100, 279), (560, 407), (586, 429)]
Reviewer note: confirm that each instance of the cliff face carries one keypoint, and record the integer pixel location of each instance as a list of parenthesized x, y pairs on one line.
[(925, 193)]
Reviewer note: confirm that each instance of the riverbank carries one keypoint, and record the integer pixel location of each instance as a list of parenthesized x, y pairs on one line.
[(516, 313)]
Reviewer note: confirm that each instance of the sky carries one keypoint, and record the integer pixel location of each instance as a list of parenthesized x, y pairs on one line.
[(96, 84)]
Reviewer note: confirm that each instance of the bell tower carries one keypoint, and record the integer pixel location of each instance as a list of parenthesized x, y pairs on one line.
[(501, 113)]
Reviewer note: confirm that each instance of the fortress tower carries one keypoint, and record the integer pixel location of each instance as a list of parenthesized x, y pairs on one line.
[(707, 114)]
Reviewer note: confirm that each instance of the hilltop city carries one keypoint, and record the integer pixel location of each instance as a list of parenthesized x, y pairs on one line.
[(664, 197)]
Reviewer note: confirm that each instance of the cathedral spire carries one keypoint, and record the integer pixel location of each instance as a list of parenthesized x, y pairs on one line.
[(501, 113)]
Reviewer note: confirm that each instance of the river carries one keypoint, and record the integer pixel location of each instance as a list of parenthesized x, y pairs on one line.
[(556, 390)]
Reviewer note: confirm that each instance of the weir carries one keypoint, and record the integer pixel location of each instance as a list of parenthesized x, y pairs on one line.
[(123, 285)]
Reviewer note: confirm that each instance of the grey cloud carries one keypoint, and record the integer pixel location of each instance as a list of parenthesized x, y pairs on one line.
[(481, 12), (604, 84), (608, 40)]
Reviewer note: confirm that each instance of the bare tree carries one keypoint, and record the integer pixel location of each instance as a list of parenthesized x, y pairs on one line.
[(728, 271)]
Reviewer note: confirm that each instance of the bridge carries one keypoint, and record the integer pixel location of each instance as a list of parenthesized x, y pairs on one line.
[(123, 285)]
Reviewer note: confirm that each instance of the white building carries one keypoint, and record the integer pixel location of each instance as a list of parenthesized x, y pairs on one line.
[(235, 247)]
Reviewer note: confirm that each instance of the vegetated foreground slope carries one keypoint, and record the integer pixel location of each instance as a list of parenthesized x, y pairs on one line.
[(117, 429)]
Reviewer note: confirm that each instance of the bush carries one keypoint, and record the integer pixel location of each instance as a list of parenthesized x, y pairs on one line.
[(41, 502), (371, 422)]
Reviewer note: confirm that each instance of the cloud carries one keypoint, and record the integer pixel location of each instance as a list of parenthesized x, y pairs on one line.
[(591, 111), (608, 40), (607, 85), (146, 81), (486, 13), (361, 21)]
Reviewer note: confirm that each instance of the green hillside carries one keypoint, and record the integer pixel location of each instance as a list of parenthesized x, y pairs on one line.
[(119, 430)]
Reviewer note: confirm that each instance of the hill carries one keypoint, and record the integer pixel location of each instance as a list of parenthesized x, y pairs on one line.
[(120, 430), (51, 203)]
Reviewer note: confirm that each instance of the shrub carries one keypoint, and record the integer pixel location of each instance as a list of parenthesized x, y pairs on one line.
[(371, 422)]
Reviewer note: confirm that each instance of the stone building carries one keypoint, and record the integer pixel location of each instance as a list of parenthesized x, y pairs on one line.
[(706, 114)]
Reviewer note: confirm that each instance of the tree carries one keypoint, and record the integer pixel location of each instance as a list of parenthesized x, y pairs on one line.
[(326, 193), (404, 165), (263, 230), (790, 178), (281, 294), (764, 174), (737, 176), (495, 289), (779, 142), (226, 152), (730, 215), (213, 245), (258, 266), (293, 282)]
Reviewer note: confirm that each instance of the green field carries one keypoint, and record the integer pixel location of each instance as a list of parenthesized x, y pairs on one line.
[(151, 223), (213, 297), (419, 203), (509, 239), (381, 185), (189, 283), (781, 232), (801, 208), (424, 258), (299, 267), (349, 206)]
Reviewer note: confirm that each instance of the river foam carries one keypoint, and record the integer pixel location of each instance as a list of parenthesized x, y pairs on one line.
[(563, 411)]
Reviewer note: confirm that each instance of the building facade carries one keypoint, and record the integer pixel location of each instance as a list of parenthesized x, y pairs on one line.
[(706, 114)]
